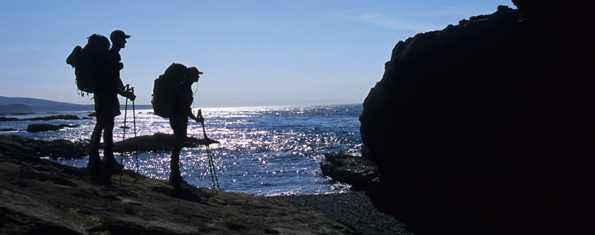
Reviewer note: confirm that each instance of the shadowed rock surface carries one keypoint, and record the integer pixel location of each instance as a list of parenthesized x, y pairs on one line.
[(352, 208), (487, 127), (41, 197)]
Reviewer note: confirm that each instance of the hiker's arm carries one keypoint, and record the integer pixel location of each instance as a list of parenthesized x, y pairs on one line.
[(191, 115), (128, 94)]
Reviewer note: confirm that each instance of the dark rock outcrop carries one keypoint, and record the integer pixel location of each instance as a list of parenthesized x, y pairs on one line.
[(557, 11), (52, 117), (7, 119), (12, 144), (47, 127), (46, 118), (354, 170), (486, 128), (157, 142)]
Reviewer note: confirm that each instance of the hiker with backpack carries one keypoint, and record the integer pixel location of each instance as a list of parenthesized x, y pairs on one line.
[(172, 98), (97, 70), (107, 106)]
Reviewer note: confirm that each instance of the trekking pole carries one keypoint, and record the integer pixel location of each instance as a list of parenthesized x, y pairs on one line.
[(212, 170), (134, 125), (124, 132), (125, 112)]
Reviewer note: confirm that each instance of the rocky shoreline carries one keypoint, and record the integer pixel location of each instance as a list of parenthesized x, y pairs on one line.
[(40, 196), (354, 209)]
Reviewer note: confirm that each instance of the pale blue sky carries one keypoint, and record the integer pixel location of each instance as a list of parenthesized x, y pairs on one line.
[(253, 53)]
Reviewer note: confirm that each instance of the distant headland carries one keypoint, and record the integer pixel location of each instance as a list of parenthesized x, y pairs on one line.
[(21, 105)]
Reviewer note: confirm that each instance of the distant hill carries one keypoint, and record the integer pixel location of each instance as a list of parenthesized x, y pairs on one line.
[(15, 105), (32, 102), (15, 108)]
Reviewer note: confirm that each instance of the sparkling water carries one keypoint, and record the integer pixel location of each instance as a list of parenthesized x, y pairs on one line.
[(262, 151)]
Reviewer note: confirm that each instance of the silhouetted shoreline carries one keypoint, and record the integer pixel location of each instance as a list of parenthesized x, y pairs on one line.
[(133, 197)]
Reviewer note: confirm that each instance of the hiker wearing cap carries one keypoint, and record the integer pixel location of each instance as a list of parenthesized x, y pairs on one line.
[(179, 121), (107, 107), (172, 98)]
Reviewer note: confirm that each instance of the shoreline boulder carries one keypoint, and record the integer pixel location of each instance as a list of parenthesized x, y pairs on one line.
[(47, 127), (354, 170)]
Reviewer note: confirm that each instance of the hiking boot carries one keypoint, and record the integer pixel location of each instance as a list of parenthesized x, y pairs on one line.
[(94, 166), (109, 166), (176, 181), (110, 163)]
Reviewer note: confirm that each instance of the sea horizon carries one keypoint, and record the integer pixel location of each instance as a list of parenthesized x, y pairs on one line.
[(39, 105)]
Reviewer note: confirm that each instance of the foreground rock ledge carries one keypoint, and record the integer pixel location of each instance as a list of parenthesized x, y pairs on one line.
[(39, 196)]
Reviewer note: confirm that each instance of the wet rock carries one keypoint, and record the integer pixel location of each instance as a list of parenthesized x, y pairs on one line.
[(47, 127), (7, 119), (157, 142), (46, 118), (52, 117), (354, 170), (54, 149)]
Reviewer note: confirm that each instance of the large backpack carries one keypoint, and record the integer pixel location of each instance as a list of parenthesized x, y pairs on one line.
[(166, 88), (90, 63)]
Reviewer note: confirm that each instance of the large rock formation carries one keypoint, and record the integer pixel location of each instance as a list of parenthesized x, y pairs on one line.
[(487, 127)]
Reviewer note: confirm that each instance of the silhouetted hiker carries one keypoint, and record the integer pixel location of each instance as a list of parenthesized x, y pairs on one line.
[(172, 97), (107, 107)]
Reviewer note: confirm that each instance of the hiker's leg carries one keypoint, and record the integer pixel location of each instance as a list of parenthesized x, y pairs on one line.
[(112, 109), (175, 174), (110, 165), (94, 160), (108, 140), (178, 125)]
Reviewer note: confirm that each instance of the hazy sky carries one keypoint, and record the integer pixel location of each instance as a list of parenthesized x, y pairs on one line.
[(253, 53)]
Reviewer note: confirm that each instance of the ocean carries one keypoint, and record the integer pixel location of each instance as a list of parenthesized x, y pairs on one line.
[(263, 151)]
